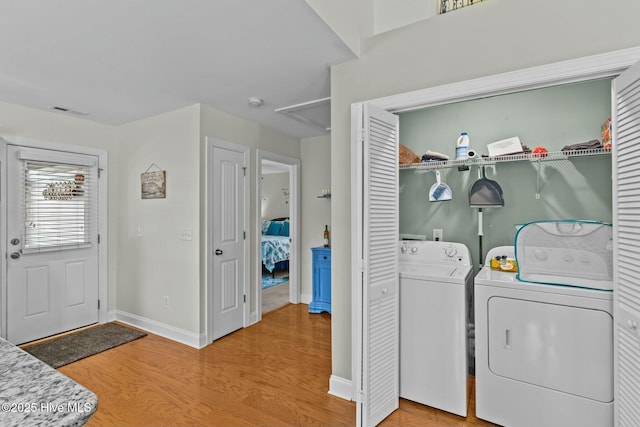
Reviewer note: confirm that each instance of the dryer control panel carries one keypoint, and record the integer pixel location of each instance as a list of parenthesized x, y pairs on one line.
[(430, 252)]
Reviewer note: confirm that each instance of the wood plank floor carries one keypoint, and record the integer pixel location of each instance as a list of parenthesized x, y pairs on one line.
[(274, 373)]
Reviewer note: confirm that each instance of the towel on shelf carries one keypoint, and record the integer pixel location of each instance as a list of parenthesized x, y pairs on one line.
[(406, 156), (434, 156), (589, 145)]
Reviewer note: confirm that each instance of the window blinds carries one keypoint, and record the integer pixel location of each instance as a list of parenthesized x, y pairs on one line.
[(59, 206)]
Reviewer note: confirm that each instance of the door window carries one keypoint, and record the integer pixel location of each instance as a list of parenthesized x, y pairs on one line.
[(58, 200)]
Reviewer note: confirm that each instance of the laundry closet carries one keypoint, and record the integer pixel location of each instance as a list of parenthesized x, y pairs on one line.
[(580, 95), (553, 187), (551, 117)]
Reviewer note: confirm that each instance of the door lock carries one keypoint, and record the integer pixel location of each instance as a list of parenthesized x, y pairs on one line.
[(218, 252), (15, 242), (15, 255)]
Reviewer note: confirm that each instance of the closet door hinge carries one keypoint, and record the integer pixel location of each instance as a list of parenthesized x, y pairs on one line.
[(244, 298), (99, 172), (244, 171), (98, 304), (363, 134), (98, 239), (244, 235)]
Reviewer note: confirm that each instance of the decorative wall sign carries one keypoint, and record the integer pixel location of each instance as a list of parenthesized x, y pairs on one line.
[(154, 185)]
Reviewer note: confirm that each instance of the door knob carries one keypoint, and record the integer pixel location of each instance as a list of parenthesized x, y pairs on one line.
[(218, 252), (15, 255)]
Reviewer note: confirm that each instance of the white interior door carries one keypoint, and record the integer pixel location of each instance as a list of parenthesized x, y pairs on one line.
[(52, 241), (376, 195), (228, 243), (626, 212)]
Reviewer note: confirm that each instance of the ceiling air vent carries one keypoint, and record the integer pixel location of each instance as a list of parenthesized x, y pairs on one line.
[(68, 110)]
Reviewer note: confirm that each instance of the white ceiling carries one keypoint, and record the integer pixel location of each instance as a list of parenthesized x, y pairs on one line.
[(122, 60)]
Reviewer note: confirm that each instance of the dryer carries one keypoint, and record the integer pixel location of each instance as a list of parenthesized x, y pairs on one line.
[(544, 352), (436, 279)]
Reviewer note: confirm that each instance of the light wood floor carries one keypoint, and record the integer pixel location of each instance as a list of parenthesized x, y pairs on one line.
[(274, 373)]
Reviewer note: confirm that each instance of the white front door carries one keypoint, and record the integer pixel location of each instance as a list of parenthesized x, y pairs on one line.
[(228, 243), (52, 233)]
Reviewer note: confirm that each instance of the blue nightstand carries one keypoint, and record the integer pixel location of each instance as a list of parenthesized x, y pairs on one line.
[(321, 281)]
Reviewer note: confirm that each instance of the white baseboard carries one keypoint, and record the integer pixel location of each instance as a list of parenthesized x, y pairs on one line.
[(306, 298), (340, 387), (189, 338)]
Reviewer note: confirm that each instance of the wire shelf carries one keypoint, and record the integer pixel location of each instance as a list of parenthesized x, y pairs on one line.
[(520, 157)]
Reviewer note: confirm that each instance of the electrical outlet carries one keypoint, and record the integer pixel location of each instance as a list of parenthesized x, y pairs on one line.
[(165, 302), (186, 234), (438, 235)]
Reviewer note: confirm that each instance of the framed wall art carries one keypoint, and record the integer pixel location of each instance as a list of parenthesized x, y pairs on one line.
[(154, 183)]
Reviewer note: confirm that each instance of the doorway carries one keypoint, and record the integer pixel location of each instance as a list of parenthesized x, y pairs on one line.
[(547, 75), (55, 239), (277, 269)]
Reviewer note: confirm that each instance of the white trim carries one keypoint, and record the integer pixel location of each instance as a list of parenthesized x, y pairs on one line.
[(306, 298), (192, 339), (210, 143), (103, 219), (573, 70), (357, 127), (293, 166), (68, 158), (340, 387)]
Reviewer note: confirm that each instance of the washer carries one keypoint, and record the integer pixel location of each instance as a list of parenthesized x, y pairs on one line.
[(544, 353), (434, 279)]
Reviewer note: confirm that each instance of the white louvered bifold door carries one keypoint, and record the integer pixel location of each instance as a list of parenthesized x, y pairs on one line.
[(626, 221), (379, 394)]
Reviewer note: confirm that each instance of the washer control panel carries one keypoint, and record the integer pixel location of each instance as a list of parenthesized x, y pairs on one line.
[(430, 252)]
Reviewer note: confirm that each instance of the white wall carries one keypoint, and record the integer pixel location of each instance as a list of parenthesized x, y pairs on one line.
[(316, 213), (349, 20), (155, 262), (275, 203), (391, 14), (488, 38)]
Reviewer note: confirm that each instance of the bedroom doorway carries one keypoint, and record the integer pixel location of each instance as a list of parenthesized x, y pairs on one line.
[(277, 279)]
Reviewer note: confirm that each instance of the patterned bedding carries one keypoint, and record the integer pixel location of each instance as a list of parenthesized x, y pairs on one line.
[(274, 249)]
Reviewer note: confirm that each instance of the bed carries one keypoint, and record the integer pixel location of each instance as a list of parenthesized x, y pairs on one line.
[(275, 245)]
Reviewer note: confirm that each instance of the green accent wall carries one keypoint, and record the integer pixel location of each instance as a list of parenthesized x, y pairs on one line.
[(579, 188)]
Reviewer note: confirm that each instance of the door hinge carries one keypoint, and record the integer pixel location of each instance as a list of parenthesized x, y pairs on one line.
[(98, 304), (99, 172), (98, 239), (362, 265), (363, 133), (244, 235), (244, 298), (244, 171)]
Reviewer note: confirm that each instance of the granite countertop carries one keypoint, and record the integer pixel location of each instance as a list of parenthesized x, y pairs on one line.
[(34, 394)]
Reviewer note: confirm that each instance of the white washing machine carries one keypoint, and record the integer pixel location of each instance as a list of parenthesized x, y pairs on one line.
[(435, 278), (544, 352)]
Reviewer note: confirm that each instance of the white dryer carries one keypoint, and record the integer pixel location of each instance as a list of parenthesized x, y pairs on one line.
[(435, 281), (544, 352)]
